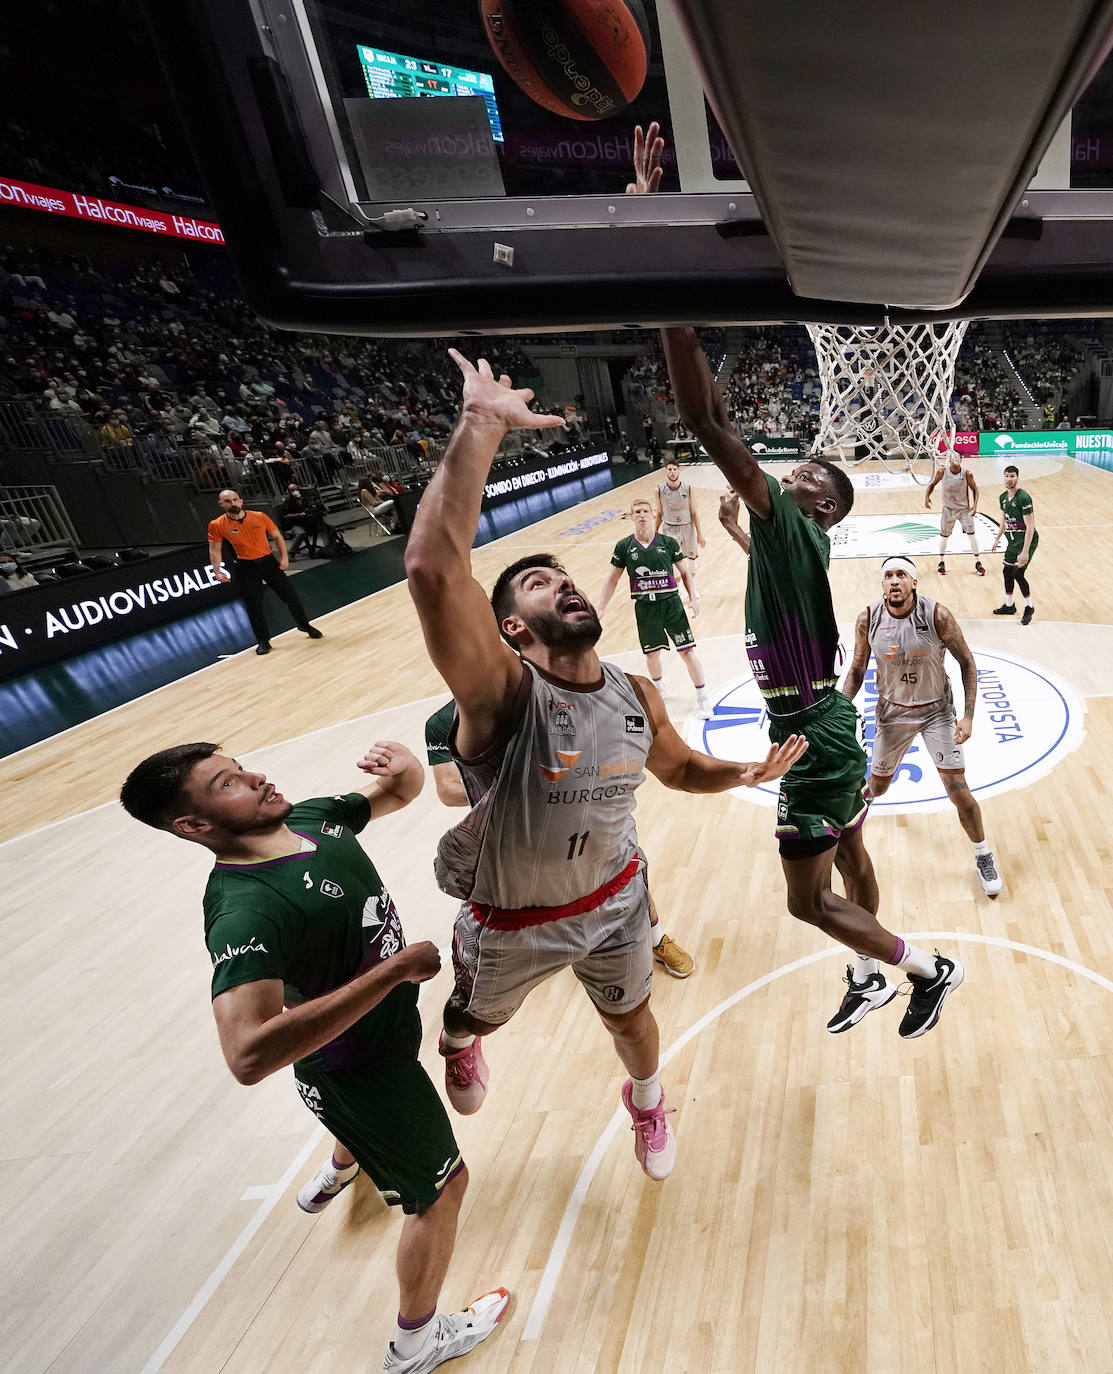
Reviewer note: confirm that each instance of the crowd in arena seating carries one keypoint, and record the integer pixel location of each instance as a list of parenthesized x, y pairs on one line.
[(774, 384), (157, 357), (985, 395), (1048, 362)]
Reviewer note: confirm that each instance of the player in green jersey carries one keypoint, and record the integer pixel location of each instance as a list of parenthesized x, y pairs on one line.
[(648, 558), (792, 639), (1018, 525), (310, 968)]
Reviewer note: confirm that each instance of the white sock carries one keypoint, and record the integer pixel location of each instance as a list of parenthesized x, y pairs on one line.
[(455, 1042), (658, 934), (408, 1340), (864, 966), (981, 847), (647, 1092), (1008, 598), (915, 960), (1029, 602)]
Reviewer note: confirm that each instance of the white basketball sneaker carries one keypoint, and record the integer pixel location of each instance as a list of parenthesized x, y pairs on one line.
[(327, 1183), (453, 1334), (991, 879)]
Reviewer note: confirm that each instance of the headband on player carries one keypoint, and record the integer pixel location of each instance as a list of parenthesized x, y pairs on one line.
[(906, 564)]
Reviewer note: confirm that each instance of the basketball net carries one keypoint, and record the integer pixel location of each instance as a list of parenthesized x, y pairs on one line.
[(888, 387)]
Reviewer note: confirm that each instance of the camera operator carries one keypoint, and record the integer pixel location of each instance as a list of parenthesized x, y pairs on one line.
[(300, 514)]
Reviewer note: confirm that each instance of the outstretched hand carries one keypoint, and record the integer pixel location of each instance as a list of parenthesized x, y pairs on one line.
[(648, 149), (777, 762), (494, 400)]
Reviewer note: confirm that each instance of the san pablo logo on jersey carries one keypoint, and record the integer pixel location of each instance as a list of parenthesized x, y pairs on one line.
[(1027, 719)]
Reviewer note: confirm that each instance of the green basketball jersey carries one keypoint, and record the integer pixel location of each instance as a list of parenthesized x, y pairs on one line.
[(436, 734), (1016, 507), (315, 919), (791, 635), (649, 566)]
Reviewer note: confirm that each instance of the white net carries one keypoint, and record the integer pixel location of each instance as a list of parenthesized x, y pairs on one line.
[(888, 387)]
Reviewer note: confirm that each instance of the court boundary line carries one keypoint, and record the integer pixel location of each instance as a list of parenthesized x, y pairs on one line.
[(555, 1265)]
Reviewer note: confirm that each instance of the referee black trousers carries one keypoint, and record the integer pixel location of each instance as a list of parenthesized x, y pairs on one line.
[(250, 575)]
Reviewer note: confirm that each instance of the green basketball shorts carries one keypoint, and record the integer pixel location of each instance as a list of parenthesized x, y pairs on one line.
[(393, 1122), (821, 796), (661, 617)]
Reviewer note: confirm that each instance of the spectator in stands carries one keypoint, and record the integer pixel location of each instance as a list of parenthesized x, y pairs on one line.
[(14, 577), (114, 432), (376, 496), (233, 420), (280, 465), (360, 450)]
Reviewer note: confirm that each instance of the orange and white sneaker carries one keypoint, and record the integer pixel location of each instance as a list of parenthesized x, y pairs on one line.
[(453, 1334), (654, 1142), (465, 1076)]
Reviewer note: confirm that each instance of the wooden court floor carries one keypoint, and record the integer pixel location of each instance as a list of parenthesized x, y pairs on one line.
[(841, 1204)]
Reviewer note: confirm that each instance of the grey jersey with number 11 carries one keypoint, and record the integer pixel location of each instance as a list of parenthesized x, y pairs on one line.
[(552, 815), (909, 654)]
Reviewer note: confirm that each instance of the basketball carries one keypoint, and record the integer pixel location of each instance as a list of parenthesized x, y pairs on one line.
[(583, 59)]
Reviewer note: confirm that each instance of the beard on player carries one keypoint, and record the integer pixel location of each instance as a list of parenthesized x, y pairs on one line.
[(556, 631)]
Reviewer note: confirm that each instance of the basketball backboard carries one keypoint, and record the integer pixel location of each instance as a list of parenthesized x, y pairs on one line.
[(375, 169)]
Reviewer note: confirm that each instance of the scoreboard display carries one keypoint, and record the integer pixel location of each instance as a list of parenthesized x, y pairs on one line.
[(390, 75)]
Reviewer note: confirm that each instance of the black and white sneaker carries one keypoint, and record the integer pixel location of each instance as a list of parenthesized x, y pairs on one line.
[(987, 871), (1029, 612), (860, 998), (942, 569), (1004, 610), (928, 996)]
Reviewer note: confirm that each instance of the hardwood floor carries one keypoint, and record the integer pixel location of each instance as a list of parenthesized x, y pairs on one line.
[(841, 1204)]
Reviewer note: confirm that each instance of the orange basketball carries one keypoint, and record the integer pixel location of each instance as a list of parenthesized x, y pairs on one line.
[(583, 59)]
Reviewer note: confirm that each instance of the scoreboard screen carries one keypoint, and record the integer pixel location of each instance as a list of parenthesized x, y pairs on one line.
[(389, 74)]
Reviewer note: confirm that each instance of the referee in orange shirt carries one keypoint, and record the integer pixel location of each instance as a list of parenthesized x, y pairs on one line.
[(251, 534)]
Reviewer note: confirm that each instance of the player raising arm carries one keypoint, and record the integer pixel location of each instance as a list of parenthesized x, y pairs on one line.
[(791, 640), (552, 745)]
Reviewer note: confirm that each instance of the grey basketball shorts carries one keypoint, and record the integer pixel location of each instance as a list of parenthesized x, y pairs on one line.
[(609, 949), (897, 727), (685, 536), (960, 513)]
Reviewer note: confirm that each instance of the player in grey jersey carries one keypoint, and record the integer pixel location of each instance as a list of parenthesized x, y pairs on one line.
[(909, 637), (674, 509), (552, 745), (960, 502)]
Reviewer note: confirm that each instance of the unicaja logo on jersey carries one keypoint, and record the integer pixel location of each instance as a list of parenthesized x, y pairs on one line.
[(1027, 719)]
